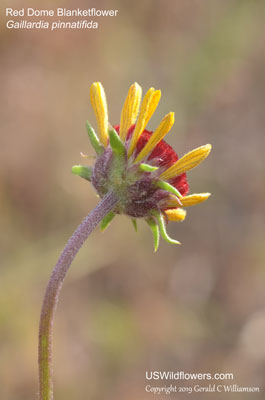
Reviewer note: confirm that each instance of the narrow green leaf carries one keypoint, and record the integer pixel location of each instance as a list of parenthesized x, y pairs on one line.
[(155, 231), (162, 227), (95, 142), (147, 168), (106, 220), (116, 143), (134, 222), (169, 188), (83, 171)]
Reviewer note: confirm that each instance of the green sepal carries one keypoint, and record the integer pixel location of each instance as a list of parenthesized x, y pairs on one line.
[(134, 222), (162, 227), (147, 168), (83, 171), (106, 220), (169, 188), (119, 158), (155, 231), (94, 140), (116, 143)]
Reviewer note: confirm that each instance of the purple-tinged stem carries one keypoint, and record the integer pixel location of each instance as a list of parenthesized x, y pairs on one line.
[(53, 290)]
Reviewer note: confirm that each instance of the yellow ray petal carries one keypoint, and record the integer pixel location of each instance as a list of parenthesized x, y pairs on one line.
[(148, 107), (176, 214), (157, 136), (187, 201), (187, 162), (99, 104), (130, 109)]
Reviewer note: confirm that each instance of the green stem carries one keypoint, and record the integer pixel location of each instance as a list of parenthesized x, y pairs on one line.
[(53, 290)]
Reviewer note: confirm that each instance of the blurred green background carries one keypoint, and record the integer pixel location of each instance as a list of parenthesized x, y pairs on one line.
[(199, 307)]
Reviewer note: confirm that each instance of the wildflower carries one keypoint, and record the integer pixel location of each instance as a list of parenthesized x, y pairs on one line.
[(138, 165)]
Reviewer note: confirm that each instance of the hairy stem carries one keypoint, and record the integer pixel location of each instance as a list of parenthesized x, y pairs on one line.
[(53, 290)]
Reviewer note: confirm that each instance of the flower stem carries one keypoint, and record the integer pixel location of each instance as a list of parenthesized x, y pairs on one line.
[(53, 290)]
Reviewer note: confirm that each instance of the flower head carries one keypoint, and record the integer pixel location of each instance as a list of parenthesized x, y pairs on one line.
[(138, 165)]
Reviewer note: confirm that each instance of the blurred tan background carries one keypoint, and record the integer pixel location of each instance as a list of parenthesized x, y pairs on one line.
[(123, 310)]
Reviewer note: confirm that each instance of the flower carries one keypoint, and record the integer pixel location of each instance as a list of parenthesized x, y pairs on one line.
[(138, 165)]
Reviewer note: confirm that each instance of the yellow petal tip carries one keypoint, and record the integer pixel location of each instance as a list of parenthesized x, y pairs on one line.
[(130, 109), (148, 107), (170, 118), (187, 162), (99, 104), (208, 148), (163, 128), (176, 214), (194, 199)]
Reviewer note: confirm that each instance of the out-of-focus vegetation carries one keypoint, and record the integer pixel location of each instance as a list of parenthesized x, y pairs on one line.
[(124, 310)]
